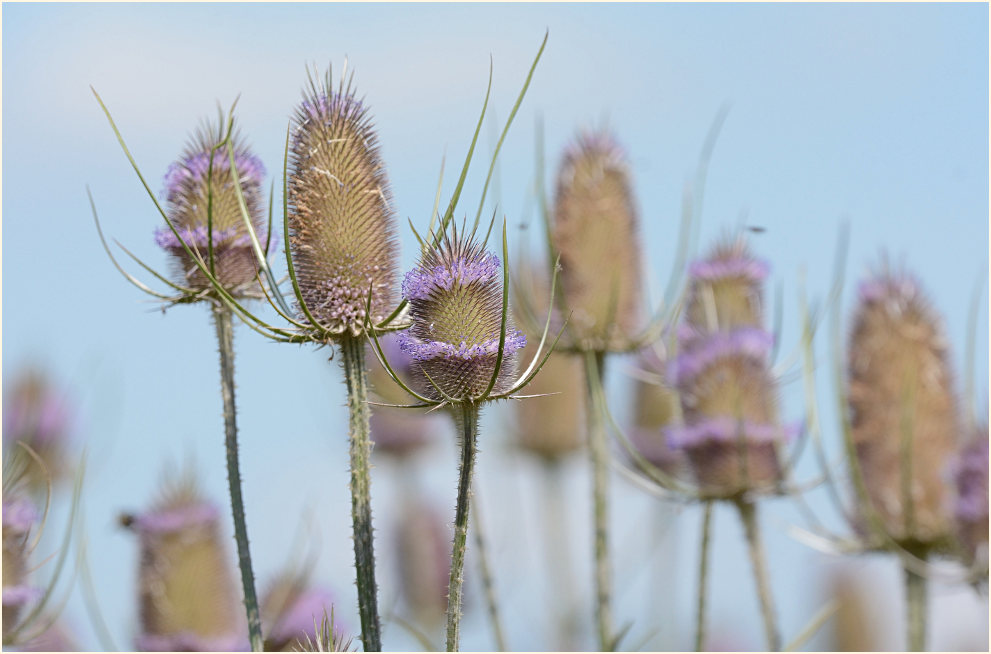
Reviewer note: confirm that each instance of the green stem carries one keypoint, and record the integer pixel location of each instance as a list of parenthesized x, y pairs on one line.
[(353, 351), (469, 425), (748, 515), (599, 457), (225, 340), (703, 576), (559, 556), (915, 595), (488, 584)]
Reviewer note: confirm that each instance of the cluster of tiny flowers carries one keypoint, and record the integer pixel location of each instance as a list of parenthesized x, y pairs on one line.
[(751, 342), (197, 237), (290, 611), (711, 270), (422, 350), (420, 284), (195, 167)]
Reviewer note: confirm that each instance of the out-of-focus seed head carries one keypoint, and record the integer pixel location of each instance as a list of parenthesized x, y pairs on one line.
[(855, 625), (552, 426), (655, 409), (291, 611), (187, 597), (423, 544), (728, 396), (19, 516), (971, 505), (343, 232), (200, 184), (455, 299), (596, 234), (903, 411), (37, 414)]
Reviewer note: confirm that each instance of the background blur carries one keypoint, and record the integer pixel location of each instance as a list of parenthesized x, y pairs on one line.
[(876, 115)]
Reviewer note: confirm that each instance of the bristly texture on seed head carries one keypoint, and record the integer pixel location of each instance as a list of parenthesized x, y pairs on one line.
[(455, 299), (655, 409), (596, 234), (38, 414), (903, 411), (200, 185), (728, 396), (291, 611), (423, 540), (19, 516), (971, 505), (188, 601), (343, 232)]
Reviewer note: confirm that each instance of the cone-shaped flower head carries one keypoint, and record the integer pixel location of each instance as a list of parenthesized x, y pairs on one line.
[(343, 233), (291, 611), (200, 185), (37, 414), (398, 432), (655, 408), (19, 516), (728, 396), (596, 234), (188, 601), (971, 506), (423, 544), (903, 412), (455, 298)]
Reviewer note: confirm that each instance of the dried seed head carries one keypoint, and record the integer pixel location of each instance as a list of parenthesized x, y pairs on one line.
[(343, 233), (455, 299), (423, 545), (655, 408), (971, 506), (199, 185), (552, 426), (596, 234), (37, 414), (188, 601), (19, 516), (728, 396), (291, 610), (903, 412)]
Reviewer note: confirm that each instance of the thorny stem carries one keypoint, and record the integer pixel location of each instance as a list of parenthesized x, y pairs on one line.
[(225, 341), (703, 576), (488, 584), (599, 457), (468, 421), (915, 596), (748, 515), (353, 353)]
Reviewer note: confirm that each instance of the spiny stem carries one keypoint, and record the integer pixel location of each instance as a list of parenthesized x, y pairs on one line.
[(225, 341), (488, 584), (703, 576), (468, 420), (748, 515), (353, 353), (915, 597), (599, 457)]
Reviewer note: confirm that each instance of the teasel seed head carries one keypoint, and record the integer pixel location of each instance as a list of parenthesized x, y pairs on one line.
[(423, 540), (291, 610), (195, 188), (655, 409), (343, 232), (971, 505), (455, 298), (903, 411), (728, 395), (38, 414), (187, 597), (19, 516), (596, 234)]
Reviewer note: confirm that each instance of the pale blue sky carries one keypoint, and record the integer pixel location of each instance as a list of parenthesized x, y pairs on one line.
[(873, 114)]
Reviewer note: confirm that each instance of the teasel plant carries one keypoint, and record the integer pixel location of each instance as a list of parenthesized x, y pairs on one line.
[(214, 229), (292, 608)]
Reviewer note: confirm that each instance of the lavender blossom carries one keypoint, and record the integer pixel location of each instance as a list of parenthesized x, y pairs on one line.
[(291, 609), (343, 233), (199, 187), (187, 597)]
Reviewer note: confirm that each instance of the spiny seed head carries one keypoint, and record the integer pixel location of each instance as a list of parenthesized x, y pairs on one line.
[(655, 408), (903, 411), (38, 414), (188, 601), (19, 516), (291, 609), (455, 299), (971, 505), (596, 234), (423, 545), (201, 184), (551, 427), (728, 395), (343, 233)]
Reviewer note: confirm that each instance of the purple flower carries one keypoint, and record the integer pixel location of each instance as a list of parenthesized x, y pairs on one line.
[(750, 342)]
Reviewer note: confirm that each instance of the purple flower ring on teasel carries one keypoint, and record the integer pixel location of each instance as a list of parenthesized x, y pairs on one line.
[(752, 342)]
